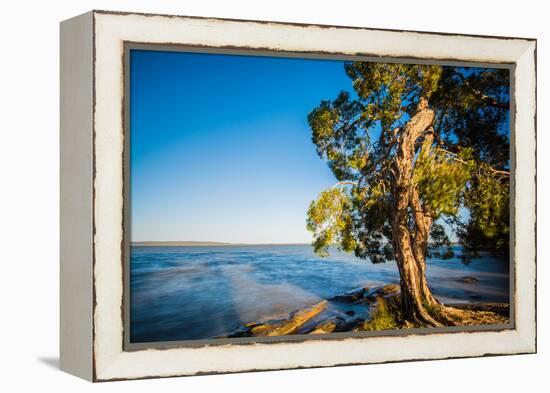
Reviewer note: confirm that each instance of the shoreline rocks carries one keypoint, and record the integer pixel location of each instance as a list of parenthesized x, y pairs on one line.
[(349, 311), (281, 327), (468, 280)]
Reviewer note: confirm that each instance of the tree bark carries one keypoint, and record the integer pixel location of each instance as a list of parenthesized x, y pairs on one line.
[(411, 225)]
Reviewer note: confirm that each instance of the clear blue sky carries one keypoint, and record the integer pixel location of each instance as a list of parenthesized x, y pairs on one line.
[(220, 146)]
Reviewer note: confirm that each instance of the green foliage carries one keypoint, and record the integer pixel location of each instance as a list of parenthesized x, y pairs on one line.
[(440, 245), (488, 201), (439, 236), (382, 318), (371, 210), (385, 93), (472, 106), (328, 217), (441, 180), (385, 88), (336, 133), (357, 134)]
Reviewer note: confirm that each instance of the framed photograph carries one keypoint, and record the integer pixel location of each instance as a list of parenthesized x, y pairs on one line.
[(245, 195)]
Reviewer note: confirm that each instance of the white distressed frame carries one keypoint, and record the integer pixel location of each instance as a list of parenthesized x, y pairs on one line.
[(111, 30)]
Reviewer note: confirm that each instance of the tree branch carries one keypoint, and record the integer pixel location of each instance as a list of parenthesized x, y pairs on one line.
[(484, 97), (344, 183), (455, 157)]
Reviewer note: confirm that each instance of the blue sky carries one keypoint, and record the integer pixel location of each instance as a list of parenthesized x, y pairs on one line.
[(220, 146)]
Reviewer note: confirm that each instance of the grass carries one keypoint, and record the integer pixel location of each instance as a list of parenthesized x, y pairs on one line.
[(382, 318)]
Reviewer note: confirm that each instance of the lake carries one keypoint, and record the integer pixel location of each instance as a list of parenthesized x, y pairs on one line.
[(188, 293)]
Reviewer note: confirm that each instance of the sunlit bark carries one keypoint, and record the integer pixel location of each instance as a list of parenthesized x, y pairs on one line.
[(411, 224)]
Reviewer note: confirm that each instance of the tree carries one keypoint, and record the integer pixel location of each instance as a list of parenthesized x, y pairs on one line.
[(413, 147)]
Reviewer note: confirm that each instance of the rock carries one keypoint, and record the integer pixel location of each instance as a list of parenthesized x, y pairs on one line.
[(385, 291), (240, 332), (336, 325), (326, 327), (285, 326), (351, 296), (364, 295), (296, 322), (389, 289), (262, 329), (353, 324), (468, 280)]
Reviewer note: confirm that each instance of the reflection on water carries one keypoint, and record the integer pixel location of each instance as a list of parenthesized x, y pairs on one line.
[(186, 293)]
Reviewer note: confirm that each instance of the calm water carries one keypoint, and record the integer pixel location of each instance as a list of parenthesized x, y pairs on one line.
[(185, 293)]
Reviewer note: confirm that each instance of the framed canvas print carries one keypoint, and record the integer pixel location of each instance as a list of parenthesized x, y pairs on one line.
[(244, 195)]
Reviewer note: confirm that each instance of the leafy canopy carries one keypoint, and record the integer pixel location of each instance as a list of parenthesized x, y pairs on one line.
[(461, 167)]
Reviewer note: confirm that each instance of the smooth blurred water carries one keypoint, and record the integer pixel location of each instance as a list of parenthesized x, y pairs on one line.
[(186, 293)]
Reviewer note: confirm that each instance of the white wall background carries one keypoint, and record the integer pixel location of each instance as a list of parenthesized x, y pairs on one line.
[(29, 204)]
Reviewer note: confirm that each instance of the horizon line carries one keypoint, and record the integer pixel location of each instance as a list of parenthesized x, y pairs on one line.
[(208, 243), (183, 243)]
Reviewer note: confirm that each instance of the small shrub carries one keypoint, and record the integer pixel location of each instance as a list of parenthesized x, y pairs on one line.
[(382, 318)]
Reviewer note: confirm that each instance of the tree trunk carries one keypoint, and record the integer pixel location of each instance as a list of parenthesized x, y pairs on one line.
[(411, 225)]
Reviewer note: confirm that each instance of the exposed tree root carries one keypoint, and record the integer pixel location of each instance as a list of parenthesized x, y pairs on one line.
[(442, 315)]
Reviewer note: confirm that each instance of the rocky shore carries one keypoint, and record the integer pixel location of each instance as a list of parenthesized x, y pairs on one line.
[(363, 309)]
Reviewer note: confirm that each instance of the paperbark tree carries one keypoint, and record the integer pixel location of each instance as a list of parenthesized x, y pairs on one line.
[(413, 146)]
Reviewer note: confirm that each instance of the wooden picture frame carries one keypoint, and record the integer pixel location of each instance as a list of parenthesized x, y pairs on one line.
[(94, 194)]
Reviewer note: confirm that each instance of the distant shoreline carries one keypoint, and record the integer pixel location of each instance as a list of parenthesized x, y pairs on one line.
[(206, 243), (176, 243)]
